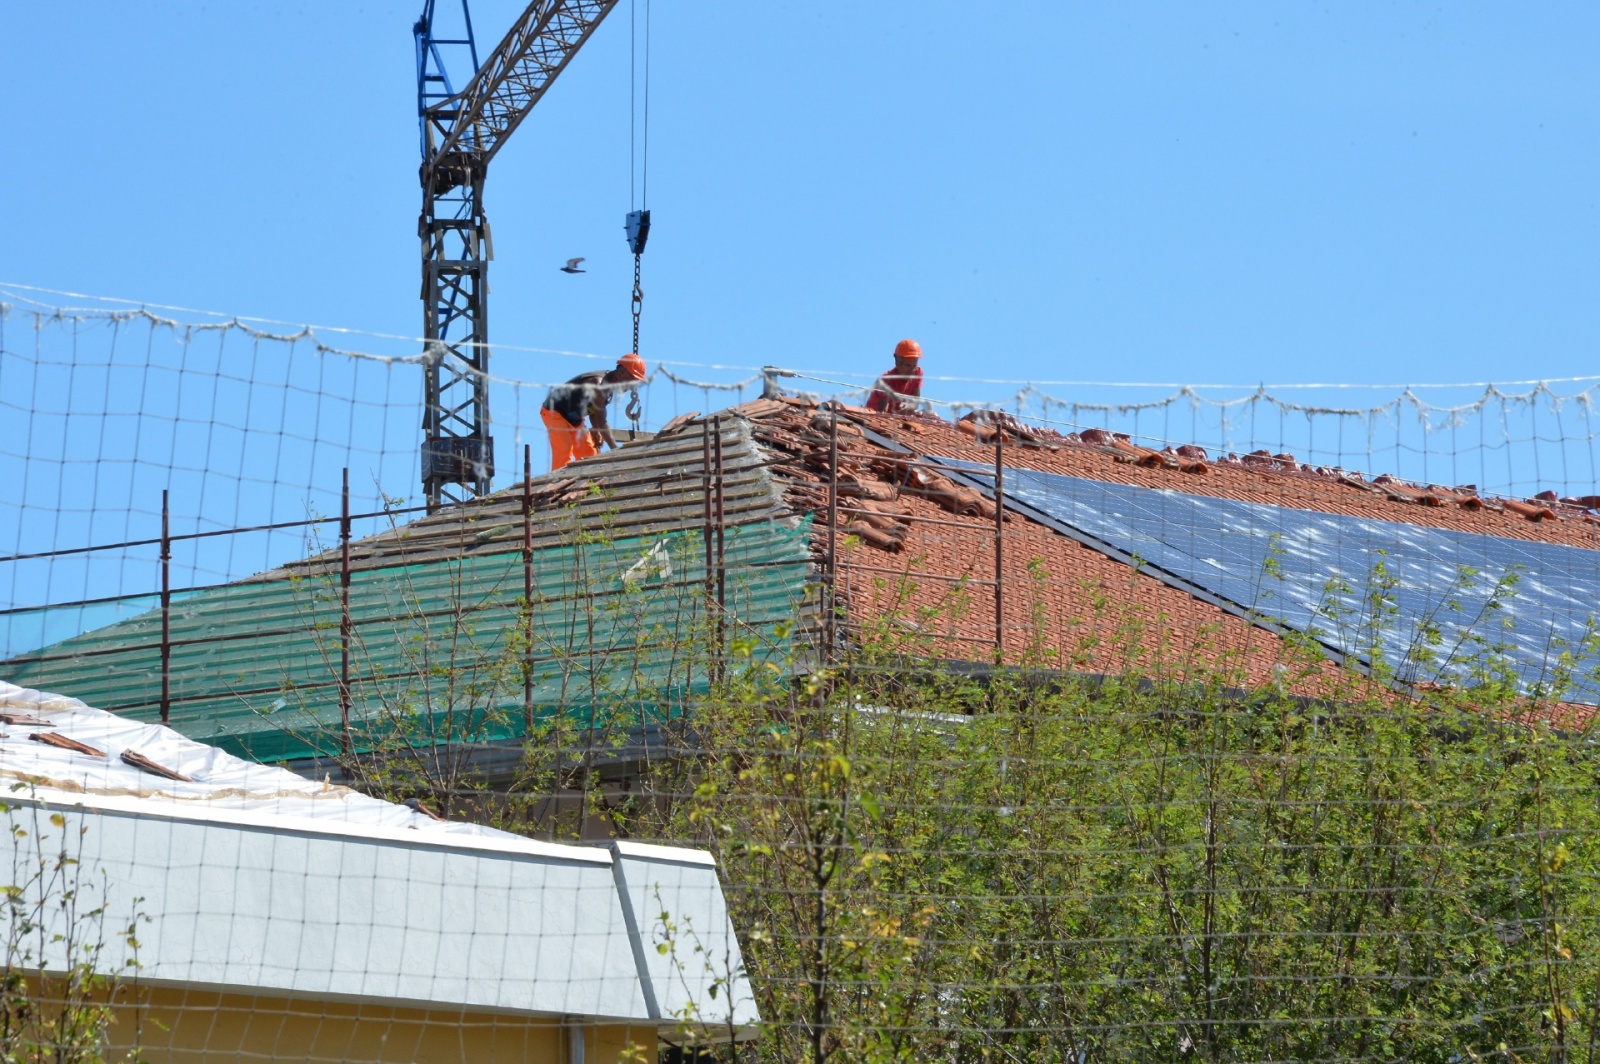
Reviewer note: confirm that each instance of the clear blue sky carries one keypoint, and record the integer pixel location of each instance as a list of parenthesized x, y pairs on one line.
[(1130, 191)]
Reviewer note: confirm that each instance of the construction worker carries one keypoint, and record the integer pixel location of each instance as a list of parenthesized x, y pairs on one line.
[(586, 395), (905, 379)]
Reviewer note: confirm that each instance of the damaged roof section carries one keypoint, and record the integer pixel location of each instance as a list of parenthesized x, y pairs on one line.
[(1112, 552), (915, 568), (1277, 479), (824, 453)]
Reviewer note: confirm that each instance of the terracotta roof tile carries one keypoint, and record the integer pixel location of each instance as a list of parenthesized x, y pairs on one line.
[(916, 566), (1276, 480)]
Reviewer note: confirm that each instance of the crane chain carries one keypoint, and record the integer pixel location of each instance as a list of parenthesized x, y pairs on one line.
[(638, 303), (633, 411)]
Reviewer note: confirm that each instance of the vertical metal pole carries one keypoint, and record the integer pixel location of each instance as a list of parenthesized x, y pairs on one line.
[(705, 497), (166, 611), (575, 1041), (527, 588), (344, 615), (722, 556), (829, 594), (999, 552), (710, 513)]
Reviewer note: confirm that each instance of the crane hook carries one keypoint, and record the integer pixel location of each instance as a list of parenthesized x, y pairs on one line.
[(634, 411)]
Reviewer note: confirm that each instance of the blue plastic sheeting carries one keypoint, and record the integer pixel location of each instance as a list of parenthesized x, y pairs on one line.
[(1438, 603)]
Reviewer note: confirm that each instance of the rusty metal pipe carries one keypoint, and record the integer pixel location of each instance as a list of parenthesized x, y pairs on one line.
[(527, 588), (722, 556), (999, 553), (830, 595), (345, 744), (166, 610)]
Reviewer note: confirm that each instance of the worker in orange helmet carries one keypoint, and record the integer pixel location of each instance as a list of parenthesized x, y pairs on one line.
[(586, 396), (905, 379)]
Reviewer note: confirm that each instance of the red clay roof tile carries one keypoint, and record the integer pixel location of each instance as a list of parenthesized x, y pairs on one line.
[(917, 562)]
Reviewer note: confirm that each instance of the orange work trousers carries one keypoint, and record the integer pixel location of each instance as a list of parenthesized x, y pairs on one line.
[(568, 442)]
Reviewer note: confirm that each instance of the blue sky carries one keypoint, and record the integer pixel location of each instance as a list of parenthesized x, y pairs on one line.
[(1227, 192)]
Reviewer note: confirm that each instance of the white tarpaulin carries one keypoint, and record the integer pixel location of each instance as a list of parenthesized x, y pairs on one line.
[(252, 879)]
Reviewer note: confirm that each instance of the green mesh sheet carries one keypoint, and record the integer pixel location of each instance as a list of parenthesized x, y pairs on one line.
[(439, 649)]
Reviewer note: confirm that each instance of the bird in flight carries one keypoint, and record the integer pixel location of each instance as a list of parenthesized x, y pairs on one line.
[(572, 266)]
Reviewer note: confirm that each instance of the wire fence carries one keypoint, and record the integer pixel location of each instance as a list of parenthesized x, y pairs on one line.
[(1008, 744)]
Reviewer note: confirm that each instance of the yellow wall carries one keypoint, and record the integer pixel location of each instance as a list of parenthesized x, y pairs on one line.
[(187, 1026)]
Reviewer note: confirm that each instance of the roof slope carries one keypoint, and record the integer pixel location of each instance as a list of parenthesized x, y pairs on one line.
[(1113, 553), (440, 632)]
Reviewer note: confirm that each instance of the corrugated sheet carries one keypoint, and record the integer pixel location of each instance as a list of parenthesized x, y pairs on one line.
[(439, 647)]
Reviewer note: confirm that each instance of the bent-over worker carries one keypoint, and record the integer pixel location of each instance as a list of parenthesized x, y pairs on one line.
[(585, 396), (905, 379)]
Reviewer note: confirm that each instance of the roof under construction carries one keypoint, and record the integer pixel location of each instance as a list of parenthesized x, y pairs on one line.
[(579, 594), (788, 527), (1110, 553)]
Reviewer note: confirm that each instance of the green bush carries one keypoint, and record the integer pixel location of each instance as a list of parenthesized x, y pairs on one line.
[(1122, 870)]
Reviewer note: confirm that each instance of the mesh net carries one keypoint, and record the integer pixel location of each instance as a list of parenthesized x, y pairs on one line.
[(1513, 439), (1061, 721)]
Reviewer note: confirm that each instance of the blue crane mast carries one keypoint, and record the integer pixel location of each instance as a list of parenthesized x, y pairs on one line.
[(461, 131)]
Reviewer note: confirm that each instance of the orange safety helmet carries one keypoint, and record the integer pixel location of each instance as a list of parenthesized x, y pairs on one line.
[(632, 365), (908, 349)]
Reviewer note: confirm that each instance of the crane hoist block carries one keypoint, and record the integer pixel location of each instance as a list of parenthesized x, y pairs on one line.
[(638, 228)]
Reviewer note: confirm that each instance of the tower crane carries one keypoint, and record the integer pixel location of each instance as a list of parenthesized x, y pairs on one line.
[(461, 131)]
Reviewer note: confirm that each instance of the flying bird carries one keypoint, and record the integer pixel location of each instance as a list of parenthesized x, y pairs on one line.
[(572, 266)]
